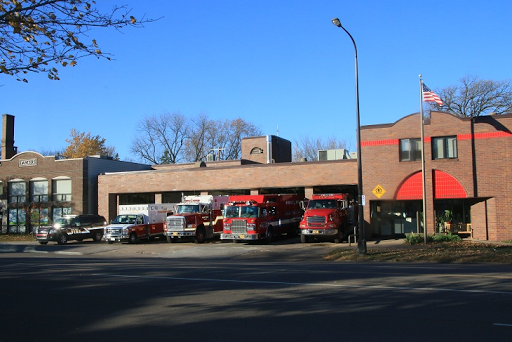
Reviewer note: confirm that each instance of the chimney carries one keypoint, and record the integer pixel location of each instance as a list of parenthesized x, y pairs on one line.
[(8, 148)]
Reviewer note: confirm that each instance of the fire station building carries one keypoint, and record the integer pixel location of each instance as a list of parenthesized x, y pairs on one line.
[(467, 186)]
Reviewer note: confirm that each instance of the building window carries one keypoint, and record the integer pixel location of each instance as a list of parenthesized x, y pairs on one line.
[(39, 190), (38, 217), (17, 221), (444, 147), (17, 190), (60, 212), (410, 149), (257, 150), (61, 189)]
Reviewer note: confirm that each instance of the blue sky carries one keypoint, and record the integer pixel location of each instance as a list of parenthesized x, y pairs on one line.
[(279, 64)]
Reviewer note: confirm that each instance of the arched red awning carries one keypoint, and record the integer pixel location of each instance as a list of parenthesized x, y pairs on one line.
[(445, 186)]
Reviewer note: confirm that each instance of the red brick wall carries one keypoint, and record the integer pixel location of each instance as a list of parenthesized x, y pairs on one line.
[(49, 168), (253, 176), (488, 162)]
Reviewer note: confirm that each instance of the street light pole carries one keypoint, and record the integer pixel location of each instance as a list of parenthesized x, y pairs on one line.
[(361, 243)]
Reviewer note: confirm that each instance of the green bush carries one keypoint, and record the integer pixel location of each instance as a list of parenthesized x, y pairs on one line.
[(446, 238), (414, 239)]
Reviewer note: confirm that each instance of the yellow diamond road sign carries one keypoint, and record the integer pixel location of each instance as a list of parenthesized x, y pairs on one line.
[(379, 191)]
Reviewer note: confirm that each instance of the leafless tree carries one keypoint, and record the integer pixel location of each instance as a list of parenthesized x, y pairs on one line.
[(222, 138), (475, 97), (232, 133), (307, 147), (160, 139), (171, 138), (37, 33)]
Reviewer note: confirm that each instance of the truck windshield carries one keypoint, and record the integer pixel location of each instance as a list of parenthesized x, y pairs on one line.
[(125, 219), (242, 211), (188, 208), (322, 204)]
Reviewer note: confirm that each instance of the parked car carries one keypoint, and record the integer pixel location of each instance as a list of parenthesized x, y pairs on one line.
[(73, 227)]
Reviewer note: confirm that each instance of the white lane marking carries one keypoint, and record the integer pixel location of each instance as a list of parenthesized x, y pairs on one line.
[(503, 324), (68, 253), (378, 287)]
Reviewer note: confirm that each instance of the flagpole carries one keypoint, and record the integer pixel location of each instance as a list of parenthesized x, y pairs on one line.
[(423, 166)]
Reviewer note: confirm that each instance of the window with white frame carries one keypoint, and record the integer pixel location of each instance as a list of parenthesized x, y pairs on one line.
[(39, 190), (61, 189), (444, 147), (410, 149), (17, 189)]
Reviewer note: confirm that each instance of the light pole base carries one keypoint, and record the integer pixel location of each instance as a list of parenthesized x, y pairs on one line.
[(361, 246)]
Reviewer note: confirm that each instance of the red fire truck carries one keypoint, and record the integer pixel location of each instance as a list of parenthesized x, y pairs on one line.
[(199, 217), (261, 217), (326, 216)]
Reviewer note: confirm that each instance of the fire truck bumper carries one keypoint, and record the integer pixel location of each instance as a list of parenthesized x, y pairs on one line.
[(247, 237), (114, 238), (322, 232), (180, 234)]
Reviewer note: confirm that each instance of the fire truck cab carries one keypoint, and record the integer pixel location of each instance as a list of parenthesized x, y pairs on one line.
[(261, 217), (326, 216), (198, 217)]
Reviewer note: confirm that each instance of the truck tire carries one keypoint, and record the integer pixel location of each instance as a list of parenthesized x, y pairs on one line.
[(62, 239), (200, 235), (133, 238), (337, 237), (170, 239), (269, 235), (97, 236), (304, 238)]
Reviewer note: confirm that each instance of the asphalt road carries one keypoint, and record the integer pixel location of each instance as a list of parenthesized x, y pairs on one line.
[(239, 292)]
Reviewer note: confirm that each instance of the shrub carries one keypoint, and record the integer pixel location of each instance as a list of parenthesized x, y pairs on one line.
[(446, 238), (414, 239)]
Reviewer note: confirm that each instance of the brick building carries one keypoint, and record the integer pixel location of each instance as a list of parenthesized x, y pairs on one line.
[(467, 180), (265, 168), (468, 172), (467, 164), (36, 189)]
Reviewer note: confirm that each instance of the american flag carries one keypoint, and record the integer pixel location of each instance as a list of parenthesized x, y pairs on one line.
[(430, 96)]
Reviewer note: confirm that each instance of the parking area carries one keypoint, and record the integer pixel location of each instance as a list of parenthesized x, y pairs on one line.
[(283, 249)]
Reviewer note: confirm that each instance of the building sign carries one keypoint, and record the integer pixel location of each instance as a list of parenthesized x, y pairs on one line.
[(27, 162), (379, 191)]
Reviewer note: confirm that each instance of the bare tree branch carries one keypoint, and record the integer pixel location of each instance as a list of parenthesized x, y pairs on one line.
[(475, 97), (307, 147), (37, 33)]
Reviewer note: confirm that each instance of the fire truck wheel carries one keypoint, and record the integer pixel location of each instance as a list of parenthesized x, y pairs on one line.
[(133, 238), (269, 235), (304, 238), (169, 239), (199, 238), (63, 239), (337, 237)]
